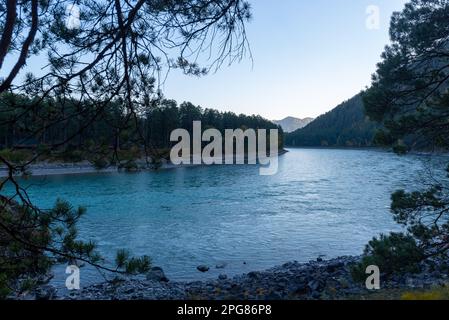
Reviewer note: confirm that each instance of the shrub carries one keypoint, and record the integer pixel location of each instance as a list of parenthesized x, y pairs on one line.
[(130, 166), (16, 156), (395, 253), (130, 154), (44, 151), (132, 265), (16, 258), (72, 156), (100, 163), (4, 285), (32, 241)]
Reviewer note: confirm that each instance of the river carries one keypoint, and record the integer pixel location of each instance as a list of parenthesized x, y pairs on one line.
[(322, 202)]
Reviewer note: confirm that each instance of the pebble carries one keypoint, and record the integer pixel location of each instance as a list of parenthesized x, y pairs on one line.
[(305, 281)]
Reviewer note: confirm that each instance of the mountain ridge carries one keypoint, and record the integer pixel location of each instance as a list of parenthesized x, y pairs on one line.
[(290, 124), (344, 126)]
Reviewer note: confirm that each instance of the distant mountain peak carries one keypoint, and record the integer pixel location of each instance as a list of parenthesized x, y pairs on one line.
[(291, 124)]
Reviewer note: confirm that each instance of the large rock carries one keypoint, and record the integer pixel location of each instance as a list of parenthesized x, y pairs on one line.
[(202, 268), (157, 274)]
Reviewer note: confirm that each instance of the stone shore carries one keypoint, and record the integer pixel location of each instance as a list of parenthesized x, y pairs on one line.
[(315, 280)]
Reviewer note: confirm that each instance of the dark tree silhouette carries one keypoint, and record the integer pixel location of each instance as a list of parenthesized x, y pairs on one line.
[(101, 76), (410, 96)]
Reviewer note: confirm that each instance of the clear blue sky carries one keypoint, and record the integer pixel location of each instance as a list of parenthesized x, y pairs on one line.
[(309, 55)]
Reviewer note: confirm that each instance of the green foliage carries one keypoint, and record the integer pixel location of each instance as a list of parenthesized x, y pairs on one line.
[(157, 124), (100, 163), (5, 289), (130, 166), (166, 117), (344, 126), (32, 241), (72, 156), (28, 284), (383, 138), (395, 253), (21, 254), (55, 111), (138, 265), (121, 258), (409, 93), (103, 144), (16, 156), (128, 154), (132, 265), (400, 149), (409, 96), (44, 151), (425, 214)]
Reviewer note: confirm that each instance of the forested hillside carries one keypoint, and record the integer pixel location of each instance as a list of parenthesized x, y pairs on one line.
[(73, 130), (346, 125)]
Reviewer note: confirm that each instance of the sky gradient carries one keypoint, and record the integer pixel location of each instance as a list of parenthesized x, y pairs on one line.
[(309, 56)]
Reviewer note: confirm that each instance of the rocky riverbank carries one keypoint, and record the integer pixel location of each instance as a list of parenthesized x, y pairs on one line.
[(47, 168), (298, 281), (83, 167)]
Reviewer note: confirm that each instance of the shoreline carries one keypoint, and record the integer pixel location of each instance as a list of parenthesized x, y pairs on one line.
[(85, 167), (314, 280), (53, 169), (372, 148)]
